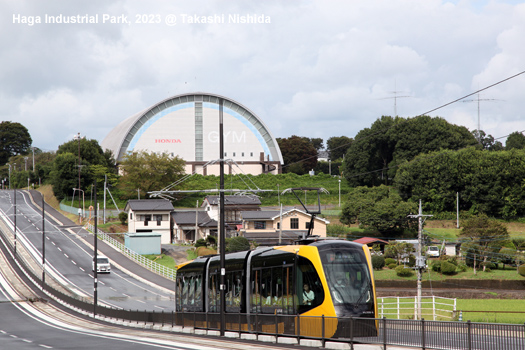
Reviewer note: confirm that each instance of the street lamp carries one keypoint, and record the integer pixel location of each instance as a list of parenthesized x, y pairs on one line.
[(83, 205)]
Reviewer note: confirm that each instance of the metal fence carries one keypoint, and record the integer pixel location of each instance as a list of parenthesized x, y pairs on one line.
[(139, 259), (436, 308), (386, 332)]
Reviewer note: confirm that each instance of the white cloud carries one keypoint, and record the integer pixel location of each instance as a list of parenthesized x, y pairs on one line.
[(320, 69)]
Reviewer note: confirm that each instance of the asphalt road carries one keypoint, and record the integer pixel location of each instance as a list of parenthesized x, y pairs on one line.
[(69, 259)]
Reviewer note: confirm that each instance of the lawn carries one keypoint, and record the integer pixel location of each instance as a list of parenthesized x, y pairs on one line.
[(512, 311), (162, 259), (475, 310), (499, 274)]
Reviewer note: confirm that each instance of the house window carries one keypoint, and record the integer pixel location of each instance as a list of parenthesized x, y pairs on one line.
[(251, 154), (242, 154), (159, 219), (147, 219), (234, 154), (131, 216), (294, 223), (307, 225), (259, 225), (278, 225)]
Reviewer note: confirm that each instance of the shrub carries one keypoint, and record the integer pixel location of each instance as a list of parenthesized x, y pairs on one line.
[(389, 261), (521, 270), (203, 251), (123, 217), (404, 271), (462, 267), (392, 266), (452, 260), (378, 262), (436, 266), (237, 244), (211, 240), (448, 268), (201, 242)]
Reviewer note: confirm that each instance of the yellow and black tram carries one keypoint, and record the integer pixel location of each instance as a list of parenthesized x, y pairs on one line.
[(328, 281)]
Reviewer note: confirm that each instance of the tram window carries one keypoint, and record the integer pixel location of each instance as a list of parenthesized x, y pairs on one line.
[(233, 291), (184, 292), (198, 292), (255, 290), (213, 293), (306, 274), (272, 290), (179, 293)]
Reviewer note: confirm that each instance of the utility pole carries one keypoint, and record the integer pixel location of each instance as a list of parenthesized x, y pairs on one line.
[(222, 236), (420, 261)]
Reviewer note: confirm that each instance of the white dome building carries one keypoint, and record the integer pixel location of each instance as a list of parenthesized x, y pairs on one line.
[(188, 126)]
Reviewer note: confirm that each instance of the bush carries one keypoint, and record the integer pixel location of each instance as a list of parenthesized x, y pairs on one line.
[(462, 267), (211, 240), (521, 270), (452, 260), (392, 266), (201, 242), (448, 268), (237, 244), (389, 261), (436, 266), (404, 272), (378, 262), (123, 217), (203, 251)]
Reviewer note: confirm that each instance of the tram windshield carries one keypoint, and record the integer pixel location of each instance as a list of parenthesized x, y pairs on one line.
[(347, 275)]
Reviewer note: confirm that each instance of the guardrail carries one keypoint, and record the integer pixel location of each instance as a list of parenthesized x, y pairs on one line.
[(405, 307), (139, 259)]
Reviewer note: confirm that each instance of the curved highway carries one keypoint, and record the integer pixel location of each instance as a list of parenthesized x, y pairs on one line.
[(69, 254)]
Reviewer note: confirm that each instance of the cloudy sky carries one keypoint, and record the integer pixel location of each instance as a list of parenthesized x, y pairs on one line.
[(317, 69)]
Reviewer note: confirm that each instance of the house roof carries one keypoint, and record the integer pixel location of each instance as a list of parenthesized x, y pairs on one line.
[(273, 214), (188, 218), (259, 215), (369, 240), (149, 205), (234, 200)]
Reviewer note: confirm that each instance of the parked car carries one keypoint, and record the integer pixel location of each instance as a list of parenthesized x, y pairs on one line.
[(433, 251)]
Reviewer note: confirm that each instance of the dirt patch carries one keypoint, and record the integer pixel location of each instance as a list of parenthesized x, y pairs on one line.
[(178, 253)]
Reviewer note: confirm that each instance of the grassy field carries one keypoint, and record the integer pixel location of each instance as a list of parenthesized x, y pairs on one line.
[(508, 311), (429, 275), (162, 260), (475, 310)]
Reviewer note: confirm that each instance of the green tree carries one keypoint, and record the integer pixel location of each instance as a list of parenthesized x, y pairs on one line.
[(515, 140), (487, 141), (376, 153), (317, 142), (237, 244), (64, 176), (299, 155), (488, 182), (400, 250), (90, 151), (379, 208), (366, 161), (486, 235), (337, 146), (149, 172), (14, 140)]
